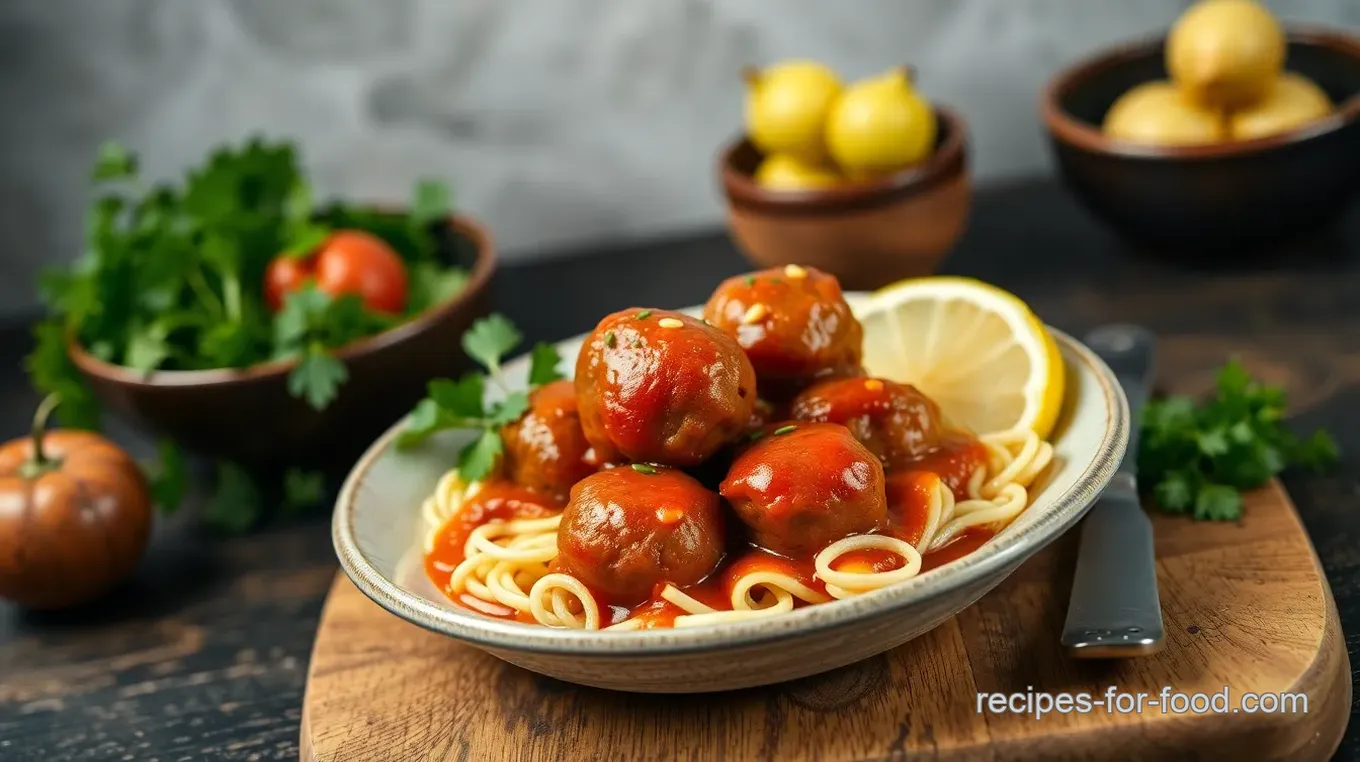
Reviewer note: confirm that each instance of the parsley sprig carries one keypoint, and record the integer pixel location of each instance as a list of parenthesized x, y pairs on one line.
[(461, 404), (1198, 458), (171, 278)]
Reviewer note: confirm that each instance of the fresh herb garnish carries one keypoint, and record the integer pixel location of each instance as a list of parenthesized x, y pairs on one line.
[(644, 468), (784, 429), (172, 279), (644, 314), (311, 321), (460, 404), (302, 489), (609, 339), (1198, 458), (168, 478), (235, 505), (750, 280)]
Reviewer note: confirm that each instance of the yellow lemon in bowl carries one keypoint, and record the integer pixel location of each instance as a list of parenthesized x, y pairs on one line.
[(786, 107), (786, 172), (880, 125)]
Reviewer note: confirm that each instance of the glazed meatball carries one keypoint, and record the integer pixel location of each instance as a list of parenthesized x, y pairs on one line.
[(628, 529), (545, 450), (793, 323), (661, 387), (803, 486), (896, 422)]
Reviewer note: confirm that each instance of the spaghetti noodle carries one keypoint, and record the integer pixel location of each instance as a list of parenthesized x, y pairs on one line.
[(504, 567)]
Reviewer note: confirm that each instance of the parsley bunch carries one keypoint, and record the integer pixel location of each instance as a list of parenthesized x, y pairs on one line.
[(460, 404), (171, 278), (1198, 458)]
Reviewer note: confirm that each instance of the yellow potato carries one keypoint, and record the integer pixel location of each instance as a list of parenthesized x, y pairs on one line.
[(1157, 113), (1293, 101), (1225, 53)]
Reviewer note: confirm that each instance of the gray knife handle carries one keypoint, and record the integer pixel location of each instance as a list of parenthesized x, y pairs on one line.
[(1115, 610)]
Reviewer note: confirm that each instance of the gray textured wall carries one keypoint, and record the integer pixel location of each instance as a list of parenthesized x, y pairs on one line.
[(560, 122)]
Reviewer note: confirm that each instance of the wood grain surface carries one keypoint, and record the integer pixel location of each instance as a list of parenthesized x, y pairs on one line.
[(1246, 607), (203, 654)]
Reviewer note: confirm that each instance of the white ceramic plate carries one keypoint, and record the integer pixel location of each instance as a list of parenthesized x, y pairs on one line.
[(377, 533)]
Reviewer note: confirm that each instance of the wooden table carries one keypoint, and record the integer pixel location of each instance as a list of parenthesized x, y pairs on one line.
[(204, 654)]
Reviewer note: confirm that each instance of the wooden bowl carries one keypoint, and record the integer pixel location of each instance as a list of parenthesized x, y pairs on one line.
[(1214, 200), (868, 234), (247, 414), (379, 529)]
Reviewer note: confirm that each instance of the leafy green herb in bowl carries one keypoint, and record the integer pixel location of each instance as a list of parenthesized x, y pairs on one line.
[(233, 314), (1198, 458)]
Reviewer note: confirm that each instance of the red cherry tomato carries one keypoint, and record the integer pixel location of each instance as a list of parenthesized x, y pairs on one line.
[(347, 262), (355, 262), (283, 276)]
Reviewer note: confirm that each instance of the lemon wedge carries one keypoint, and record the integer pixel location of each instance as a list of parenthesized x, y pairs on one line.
[(975, 349)]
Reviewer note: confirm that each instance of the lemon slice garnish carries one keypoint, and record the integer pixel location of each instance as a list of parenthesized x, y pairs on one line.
[(975, 349)]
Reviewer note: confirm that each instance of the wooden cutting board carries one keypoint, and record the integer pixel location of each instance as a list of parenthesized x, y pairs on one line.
[(1246, 606)]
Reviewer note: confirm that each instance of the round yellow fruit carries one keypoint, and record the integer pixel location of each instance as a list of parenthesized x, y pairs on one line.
[(787, 105), (1292, 101), (989, 363), (792, 173), (880, 125), (1225, 53), (1158, 114)]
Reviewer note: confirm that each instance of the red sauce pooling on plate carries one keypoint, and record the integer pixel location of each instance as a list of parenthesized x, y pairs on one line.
[(908, 495), (967, 542), (498, 500)]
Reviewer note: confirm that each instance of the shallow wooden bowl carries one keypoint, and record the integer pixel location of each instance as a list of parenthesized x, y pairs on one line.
[(377, 530), (247, 414), (1212, 201), (868, 234)]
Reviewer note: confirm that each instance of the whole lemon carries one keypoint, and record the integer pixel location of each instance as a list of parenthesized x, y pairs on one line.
[(1225, 53), (786, 106), (783, 171), (879, 125), (1158, 113), (1292, 101)]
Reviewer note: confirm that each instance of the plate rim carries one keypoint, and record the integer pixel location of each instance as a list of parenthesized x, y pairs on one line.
[(993, 558)]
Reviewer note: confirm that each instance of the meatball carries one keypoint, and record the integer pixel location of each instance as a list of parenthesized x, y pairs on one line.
[(898, 424), (630, 528), (803, 486), (545, 450), (793, 323), (661, 387)]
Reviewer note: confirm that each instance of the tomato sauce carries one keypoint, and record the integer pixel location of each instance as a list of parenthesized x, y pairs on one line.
[(954, 461), (499, 500), (909, 489), (967, 542)]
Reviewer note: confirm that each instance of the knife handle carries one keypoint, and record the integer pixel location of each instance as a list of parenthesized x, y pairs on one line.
[(1115, 610)]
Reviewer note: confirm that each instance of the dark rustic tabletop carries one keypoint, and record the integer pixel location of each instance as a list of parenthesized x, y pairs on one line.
[(203, 655)]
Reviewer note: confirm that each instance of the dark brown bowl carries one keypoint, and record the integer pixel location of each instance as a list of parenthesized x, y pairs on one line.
[(247, 414), (1229, 198), (868, 234)]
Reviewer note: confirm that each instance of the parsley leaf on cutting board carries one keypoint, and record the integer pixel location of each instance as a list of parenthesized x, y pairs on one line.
[(1197, 458)]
